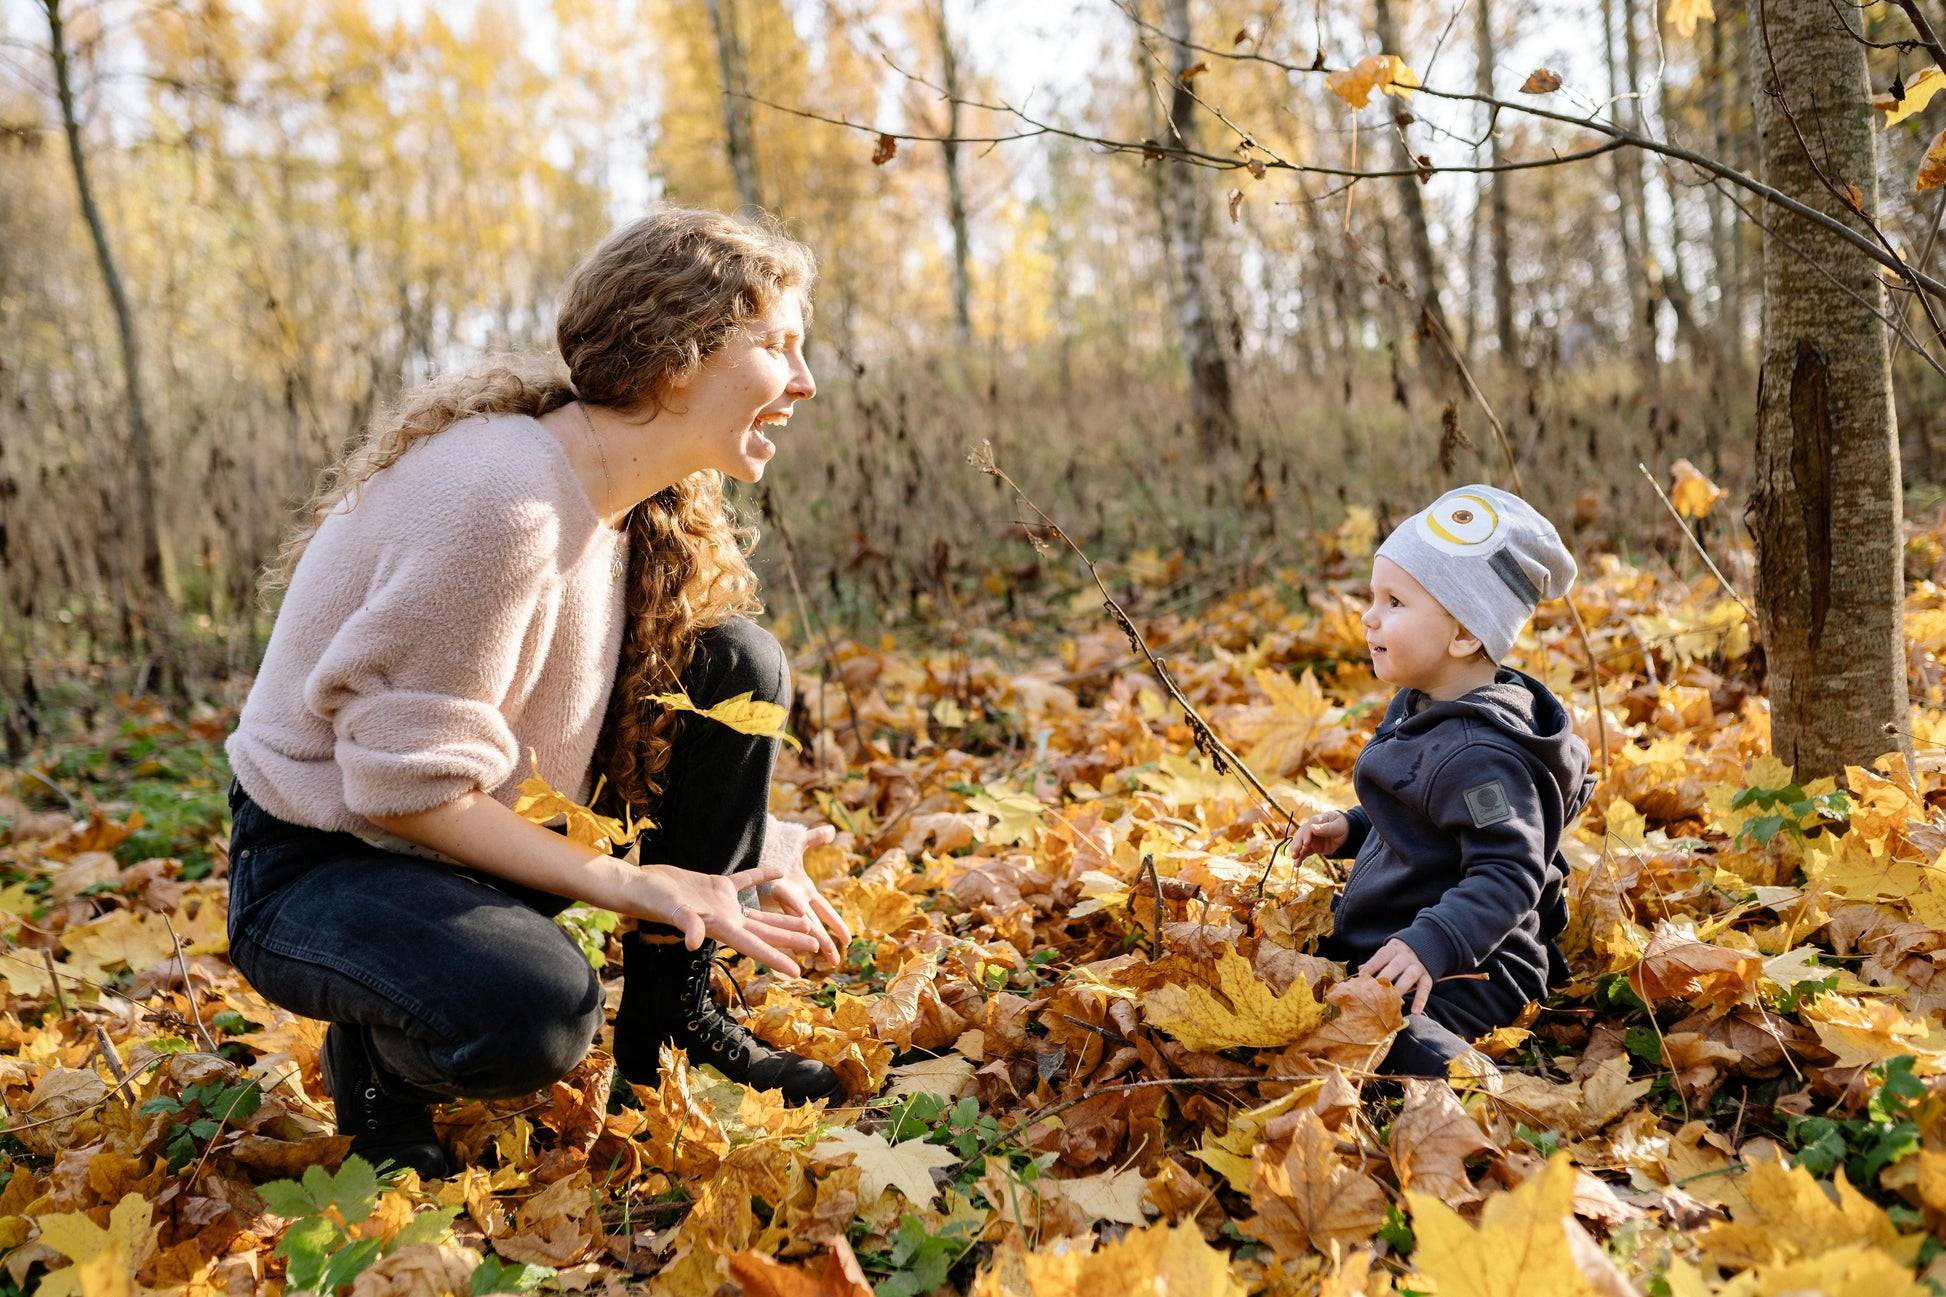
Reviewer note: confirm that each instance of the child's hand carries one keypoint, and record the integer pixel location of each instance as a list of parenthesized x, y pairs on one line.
[(1321, 835), (1397, 964)]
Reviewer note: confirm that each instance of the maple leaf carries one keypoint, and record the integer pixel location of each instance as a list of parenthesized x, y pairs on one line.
[(1111, 1195), (105, 1259), (1863, 1032), (1932, 169), (1309, 1198), (1919, 91), (556, 1227), (1160, 1261), (944, 1077), (760, 1276), (1431, 1139), (1019, 815), (746, 714), (1385, 73), (1540, 82), (1528, 1242), (541, 802), (1683, 15), (1693, 494), (1237, 1008), (1789, 1216), (1678, 966), (905, 1166)]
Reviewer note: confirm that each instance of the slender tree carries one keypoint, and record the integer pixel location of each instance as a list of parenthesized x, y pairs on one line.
[(141, 447), (1497, 234), (949, 156), (1187, 220), (1825, 510), (739, 138), (1425, 270)]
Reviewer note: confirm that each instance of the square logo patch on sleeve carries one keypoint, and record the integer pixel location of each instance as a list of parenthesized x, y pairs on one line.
[(1488, 804)]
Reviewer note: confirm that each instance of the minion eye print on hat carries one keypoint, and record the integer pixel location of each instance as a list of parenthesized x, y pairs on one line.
[(1460, 521)]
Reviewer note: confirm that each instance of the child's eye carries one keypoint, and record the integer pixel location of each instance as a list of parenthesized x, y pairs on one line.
[(1394, 601)]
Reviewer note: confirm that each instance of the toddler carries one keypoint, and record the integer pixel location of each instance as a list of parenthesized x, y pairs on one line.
[(1456, 895)]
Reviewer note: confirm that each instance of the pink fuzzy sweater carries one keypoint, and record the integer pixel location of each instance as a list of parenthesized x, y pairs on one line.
[(465, 607)]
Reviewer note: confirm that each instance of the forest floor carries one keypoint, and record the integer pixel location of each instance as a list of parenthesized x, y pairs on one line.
[(1087, 1048)]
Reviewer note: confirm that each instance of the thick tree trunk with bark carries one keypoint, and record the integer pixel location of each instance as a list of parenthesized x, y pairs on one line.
[(955, 193), (1826, 507), (738, 135), (155, 595), (1186, 218), (1425, 271)]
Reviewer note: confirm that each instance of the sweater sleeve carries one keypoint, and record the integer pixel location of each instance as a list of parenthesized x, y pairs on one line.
[(413, 682), (1489, 804)]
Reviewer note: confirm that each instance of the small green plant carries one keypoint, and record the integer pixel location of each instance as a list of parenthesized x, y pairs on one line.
[(1543, 1142), (320, 1248), (1792, 811), (917, 1261), (1886, 1133), (198, 1113), (495, 1275), (962, 1127), (1794, 997), (1397, 1230)]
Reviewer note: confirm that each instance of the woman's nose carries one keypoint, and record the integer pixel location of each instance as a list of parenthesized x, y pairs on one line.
[(802, 386)]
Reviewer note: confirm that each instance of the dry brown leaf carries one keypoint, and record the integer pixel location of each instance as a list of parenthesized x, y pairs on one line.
[(1309, 1198), (1431, 1139)]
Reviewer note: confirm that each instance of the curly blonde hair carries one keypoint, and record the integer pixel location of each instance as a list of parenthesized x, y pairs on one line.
[(640, 313)]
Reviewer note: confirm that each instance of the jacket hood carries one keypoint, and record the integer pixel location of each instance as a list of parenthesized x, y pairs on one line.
[(1527, 713)]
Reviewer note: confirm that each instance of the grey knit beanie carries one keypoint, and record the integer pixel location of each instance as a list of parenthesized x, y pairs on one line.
[(1488, 558)]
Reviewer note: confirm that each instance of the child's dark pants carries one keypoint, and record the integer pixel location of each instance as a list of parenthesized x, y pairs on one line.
[(1457, 1013), (463, 984)]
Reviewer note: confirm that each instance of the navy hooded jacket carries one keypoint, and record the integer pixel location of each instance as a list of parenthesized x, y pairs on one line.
[(1457, 834)]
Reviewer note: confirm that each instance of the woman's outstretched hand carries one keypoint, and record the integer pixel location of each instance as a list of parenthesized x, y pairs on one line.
[(793, 893), (706, 907)]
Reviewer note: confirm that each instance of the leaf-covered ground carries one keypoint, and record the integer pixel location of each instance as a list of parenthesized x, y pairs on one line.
[(1090, 1049)]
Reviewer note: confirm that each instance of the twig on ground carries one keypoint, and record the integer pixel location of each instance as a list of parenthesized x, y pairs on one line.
[(74, 807), (54, 980), (1219, 753), (195, 1010), (109, 1054)]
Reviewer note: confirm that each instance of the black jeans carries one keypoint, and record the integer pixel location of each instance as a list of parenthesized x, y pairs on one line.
[(462, 983), (1457, 1013)]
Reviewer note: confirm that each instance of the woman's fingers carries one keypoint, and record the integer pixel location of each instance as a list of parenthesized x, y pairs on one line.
[(746, 879), (834, 922)]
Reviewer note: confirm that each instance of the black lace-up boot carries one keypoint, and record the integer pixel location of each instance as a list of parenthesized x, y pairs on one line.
[(382, 1129), (666, 999)]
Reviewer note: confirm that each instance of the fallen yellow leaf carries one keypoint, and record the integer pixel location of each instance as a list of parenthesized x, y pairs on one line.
[(746, 714), (1237, 1008)]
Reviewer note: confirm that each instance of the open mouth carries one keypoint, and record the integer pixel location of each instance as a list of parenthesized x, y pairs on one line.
[(758, 424)]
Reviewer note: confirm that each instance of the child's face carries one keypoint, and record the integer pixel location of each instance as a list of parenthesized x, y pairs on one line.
[(1415, 642)]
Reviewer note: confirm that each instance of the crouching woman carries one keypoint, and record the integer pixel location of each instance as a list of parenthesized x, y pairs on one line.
[(510, 563)]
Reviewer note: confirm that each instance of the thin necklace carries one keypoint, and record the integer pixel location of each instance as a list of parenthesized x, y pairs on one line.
[(607, 484)]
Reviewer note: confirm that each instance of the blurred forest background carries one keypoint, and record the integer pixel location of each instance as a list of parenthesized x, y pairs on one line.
[(311, 205)]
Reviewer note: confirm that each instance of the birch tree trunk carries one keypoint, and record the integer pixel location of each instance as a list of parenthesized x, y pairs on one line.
[(738, 135), (1412, 202), (1186, 217), (955, 193), (155, 594), (1825, 510)]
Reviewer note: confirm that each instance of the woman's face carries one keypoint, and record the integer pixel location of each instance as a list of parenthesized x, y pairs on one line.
[(749, 384)]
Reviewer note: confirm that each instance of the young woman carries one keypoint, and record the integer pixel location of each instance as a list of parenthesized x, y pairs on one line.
[(502, 572)]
